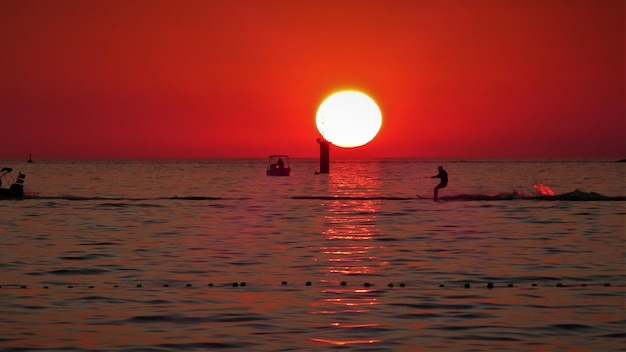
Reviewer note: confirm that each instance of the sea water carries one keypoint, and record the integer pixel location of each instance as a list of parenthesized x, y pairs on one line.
[(191, 255)]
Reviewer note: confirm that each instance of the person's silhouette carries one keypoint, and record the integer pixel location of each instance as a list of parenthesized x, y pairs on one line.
[(281, 163), (443, 175)]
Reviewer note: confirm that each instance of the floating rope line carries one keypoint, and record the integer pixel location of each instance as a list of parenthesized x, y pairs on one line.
[(367, 285)]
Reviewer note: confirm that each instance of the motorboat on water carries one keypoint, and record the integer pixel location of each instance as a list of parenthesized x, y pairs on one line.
[(278, 165), (9, 188)]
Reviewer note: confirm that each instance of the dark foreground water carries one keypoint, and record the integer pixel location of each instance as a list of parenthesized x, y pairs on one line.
[(212, 254)]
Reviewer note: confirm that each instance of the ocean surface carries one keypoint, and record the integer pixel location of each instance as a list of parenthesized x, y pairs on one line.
[(195, 255)]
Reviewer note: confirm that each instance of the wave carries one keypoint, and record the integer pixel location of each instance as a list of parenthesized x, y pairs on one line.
[(575, 195), (351, 198), (77, 198)]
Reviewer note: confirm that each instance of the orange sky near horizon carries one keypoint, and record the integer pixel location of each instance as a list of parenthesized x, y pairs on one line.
[(244, 78)]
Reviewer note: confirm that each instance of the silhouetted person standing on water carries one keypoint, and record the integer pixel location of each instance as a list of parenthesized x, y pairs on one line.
[(443, 175)]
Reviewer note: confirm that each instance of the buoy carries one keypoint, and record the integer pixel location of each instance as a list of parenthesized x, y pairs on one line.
[(489, 285)]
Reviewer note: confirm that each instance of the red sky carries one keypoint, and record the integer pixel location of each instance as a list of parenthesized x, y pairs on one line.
[(459, 79)]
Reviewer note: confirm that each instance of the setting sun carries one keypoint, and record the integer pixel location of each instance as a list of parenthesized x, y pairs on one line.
[(348, 119)]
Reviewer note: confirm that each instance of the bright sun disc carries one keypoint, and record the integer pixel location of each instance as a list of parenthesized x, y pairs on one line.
[(348, 119)]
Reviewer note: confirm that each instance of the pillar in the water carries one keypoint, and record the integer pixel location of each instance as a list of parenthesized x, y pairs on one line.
[(324, 156)]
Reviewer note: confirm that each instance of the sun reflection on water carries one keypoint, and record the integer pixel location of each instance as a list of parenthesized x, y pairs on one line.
[(349, 252)]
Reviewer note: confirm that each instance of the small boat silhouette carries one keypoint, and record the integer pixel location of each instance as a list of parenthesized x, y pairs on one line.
[(278, 165), (16, 189)]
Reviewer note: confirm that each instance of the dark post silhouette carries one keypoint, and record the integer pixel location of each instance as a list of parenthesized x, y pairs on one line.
[(324, 156)]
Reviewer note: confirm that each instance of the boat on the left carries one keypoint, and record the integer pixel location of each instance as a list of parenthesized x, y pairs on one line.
[(8, 187)]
